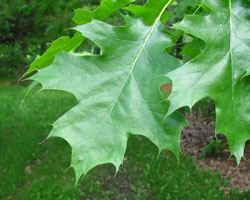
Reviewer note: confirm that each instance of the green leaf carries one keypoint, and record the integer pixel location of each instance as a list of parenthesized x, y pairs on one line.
[(118, 93), (64, 43), (107, 8), (183, 5), (150, 11), (192, 49), (248, 71), (219, 70)]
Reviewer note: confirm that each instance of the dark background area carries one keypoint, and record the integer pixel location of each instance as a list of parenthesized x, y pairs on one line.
[(28, 26)]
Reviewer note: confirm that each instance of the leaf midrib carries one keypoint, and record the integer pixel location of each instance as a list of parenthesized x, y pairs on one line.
[(231, 56), (139, 53)]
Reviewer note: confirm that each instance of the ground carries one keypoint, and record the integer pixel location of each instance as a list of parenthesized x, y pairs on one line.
[(31, 170), (197, 135)]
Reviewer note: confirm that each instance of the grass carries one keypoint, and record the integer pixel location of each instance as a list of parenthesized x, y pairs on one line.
[(29, 170)]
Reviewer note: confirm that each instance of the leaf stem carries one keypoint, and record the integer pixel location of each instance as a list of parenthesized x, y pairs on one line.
[(231, 55), (197, 9)]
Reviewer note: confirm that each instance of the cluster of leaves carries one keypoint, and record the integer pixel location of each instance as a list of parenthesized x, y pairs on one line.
[(118, 92)]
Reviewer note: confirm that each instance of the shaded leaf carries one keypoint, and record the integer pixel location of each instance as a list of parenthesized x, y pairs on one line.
[(193, 49), (248, 72), (183, 5), (107, 8), (150, 11)]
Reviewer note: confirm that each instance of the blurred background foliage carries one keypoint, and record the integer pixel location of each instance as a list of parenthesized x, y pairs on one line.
[(28, 26)]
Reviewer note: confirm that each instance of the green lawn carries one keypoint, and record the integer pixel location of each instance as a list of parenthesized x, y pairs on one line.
[(30, 170)]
